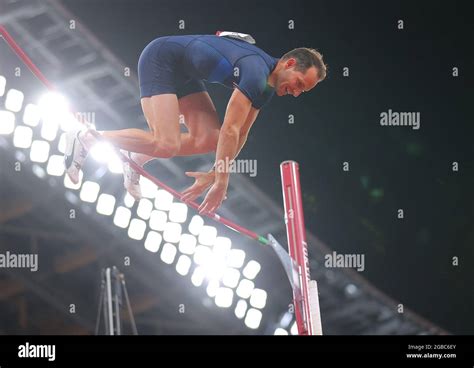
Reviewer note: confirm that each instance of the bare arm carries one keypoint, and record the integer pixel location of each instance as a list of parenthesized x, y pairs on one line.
[(204, 180), (232, 135), (251, 117)]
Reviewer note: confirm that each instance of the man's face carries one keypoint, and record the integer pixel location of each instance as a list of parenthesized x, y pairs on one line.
[(293, 82)]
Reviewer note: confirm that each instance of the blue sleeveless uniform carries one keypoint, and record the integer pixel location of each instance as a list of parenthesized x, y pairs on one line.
[(180, 64)]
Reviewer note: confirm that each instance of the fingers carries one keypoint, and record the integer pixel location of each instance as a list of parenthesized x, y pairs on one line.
[(189, 197), (209, 205), (193, 174)]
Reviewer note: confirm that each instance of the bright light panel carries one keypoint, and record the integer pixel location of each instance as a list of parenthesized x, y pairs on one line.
[(39, 151), (8, 122), (168, 254), (31, 115), (178, 212), (183, 265), (55, 165), (244, 290), (187, 243), (163, 200), (240, 309), (22, 137), (106, 204), (195, 225), (153, 241), (258, 299), (90, 191), (122, 217), (158, 220), (236, 258), (208, 235), (224, 297), (14, 100), (145, 206), (172, 232), (253, 318), (137, 229), (251, 269)]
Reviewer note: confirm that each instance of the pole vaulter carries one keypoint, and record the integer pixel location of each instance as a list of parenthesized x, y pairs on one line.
[(296, 263)]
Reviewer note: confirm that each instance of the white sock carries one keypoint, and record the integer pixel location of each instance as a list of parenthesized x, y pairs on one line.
[(87, 139), (140, 158)]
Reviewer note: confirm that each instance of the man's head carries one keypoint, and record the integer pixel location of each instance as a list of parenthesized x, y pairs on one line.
[(298, 71)]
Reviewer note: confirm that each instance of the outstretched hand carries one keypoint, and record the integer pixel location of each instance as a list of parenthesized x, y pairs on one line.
[(203, 181), (213, 199)]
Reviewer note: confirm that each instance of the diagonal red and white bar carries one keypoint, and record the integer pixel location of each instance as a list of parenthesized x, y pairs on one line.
[(308, 318)]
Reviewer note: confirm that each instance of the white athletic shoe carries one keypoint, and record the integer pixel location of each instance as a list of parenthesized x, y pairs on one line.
[(131, 179), (74, 155)]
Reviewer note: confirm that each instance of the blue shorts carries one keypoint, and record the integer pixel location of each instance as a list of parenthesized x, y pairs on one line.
[(159, 71)]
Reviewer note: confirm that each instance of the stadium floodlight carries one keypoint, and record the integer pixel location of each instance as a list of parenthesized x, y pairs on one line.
[(115, 165), (222, 246), (163, 200), (148, 188), (240, 309), (39, 151), (253, 318), (198, 276), (208, 235), (195, 225), (172, 232), (102, 152), (89, 191), (212, 288), (54, 110), (106, 204), (62, 143), (22, 137), (187, 243), (244, 290), (31, 115), (178, 212), (258, 298), (251, 270), (128, 200), (153, 241), (122, 217), (231, 277), (158, 220), (224, 297), (14, 100), (55, 165), (183, 265), (137, 228), (168, 253), (8, 122), (69, 122), (49, 130), (3, 84), (202, 255), (145, 206), (235, 258)]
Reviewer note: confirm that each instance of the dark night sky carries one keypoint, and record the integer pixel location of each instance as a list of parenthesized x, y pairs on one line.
[(390, 167)]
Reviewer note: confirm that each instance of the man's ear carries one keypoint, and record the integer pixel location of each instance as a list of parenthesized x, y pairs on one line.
[(290, 63)]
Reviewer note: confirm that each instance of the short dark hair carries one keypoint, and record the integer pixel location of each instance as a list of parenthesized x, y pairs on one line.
[(307, 58)]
